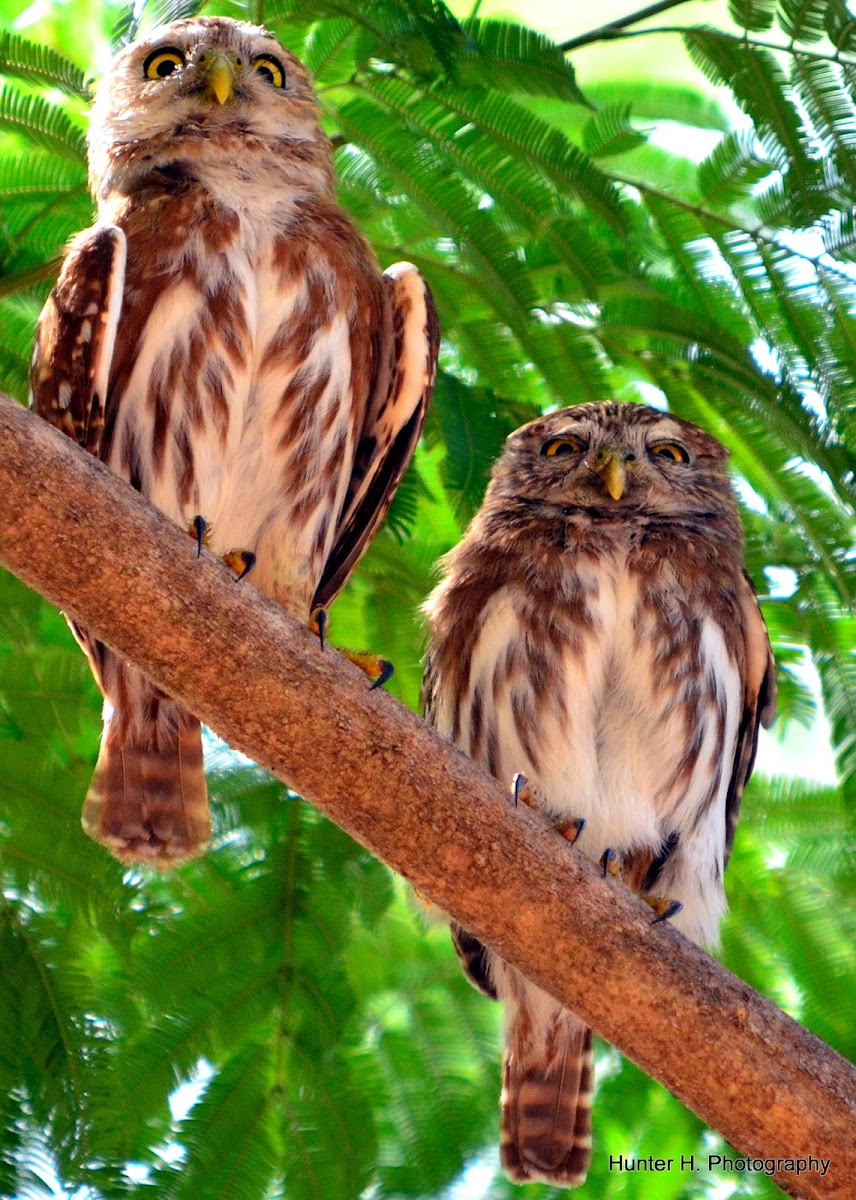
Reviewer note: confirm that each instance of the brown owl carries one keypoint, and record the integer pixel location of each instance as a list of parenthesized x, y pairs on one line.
[(596, 631), (223, 339)]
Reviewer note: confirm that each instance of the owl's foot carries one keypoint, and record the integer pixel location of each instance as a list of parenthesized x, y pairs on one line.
[(663, 907), (523, 793), (379, 670), (610, 864), (240, 561), (200, 531)]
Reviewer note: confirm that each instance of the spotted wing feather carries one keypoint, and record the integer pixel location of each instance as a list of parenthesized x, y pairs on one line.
[(475, 959), (407, 365), (76, 336), (759, 707)]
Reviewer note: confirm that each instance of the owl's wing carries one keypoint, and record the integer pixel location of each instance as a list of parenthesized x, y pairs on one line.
[(475, 959), (407, 365), (759, 706), (76, 336)]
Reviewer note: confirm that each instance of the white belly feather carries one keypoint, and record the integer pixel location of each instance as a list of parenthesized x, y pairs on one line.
[(607, 752), (243, 485)]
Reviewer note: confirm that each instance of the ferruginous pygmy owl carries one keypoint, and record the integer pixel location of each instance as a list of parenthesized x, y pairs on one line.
[(596, 631), (223, 339)]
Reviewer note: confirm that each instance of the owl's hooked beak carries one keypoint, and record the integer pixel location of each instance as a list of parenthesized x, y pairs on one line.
[(219, 75), (611, 466)]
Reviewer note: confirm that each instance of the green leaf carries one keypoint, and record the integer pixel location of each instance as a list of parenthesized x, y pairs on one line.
[(733, 169), (655, 99), (831, 111), (37, 178), (511, 58), (610, 133), (803, 20), (421, 35), (840, 26), (40, 65), (760, 87), (532, 140), (44, 124), (473, 425), (329, 50), (752, 14)]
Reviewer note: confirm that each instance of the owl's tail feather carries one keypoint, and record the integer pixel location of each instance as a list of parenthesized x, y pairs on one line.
[(147, 802), (546, 1104)]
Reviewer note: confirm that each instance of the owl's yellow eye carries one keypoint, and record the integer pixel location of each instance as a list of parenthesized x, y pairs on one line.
[(163, 63), (558, 447), (672, 450), (270, 69)]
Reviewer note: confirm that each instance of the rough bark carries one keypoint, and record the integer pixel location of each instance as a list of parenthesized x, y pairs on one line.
[(92, 546)]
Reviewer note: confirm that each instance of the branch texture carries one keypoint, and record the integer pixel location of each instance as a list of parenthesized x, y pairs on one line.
[(90, 544)]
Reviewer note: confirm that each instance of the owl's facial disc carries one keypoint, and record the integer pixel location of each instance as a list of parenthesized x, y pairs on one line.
[(609, 465), (627, 468), (221, 98), (615, 460)]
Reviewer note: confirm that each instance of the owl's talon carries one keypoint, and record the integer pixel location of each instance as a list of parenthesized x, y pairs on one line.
[(521, 790), (571, 831), (379, 670), (387, 670), (663, 907), (200, 530), (240, 561), (610, 864), (318, 624)]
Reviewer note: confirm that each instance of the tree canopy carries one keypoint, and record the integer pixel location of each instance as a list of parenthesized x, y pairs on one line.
[(273, 1020)]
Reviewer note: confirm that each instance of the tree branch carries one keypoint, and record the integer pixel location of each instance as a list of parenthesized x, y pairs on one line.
[(612, 33), (90, 544), (607, 31)]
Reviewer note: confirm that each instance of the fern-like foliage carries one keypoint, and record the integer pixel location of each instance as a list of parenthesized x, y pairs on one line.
[(334, 1047), (42, 124), (40, 65)]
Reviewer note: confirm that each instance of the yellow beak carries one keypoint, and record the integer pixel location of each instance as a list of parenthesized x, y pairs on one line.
[(612, 469), (220, 77)]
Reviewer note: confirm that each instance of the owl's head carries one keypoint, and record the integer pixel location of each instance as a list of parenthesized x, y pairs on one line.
[(616, 460), (199, 92)]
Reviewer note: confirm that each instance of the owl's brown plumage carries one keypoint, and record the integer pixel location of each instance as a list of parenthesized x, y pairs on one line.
[(223, 339), (596, 631)]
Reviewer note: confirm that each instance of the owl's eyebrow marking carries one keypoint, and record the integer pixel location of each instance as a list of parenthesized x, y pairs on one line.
[(576, 435), (174, 172)]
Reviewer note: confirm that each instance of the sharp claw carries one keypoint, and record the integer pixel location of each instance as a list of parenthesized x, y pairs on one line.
[(200, 527), (672, 911), (609, 863), (571, 831), (320, 619), (239, 561), (249, 560), (518, 783), (387, 670)]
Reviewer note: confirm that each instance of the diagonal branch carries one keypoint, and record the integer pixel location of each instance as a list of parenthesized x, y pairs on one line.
[(613, 33), (604, 32), (89, 543)]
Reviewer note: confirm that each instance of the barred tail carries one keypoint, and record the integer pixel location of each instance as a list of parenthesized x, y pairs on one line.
[(546, 1102), (147, 801)]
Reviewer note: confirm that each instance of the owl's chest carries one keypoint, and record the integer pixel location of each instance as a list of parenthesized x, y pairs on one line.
[(618, 701), (232, 380)]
